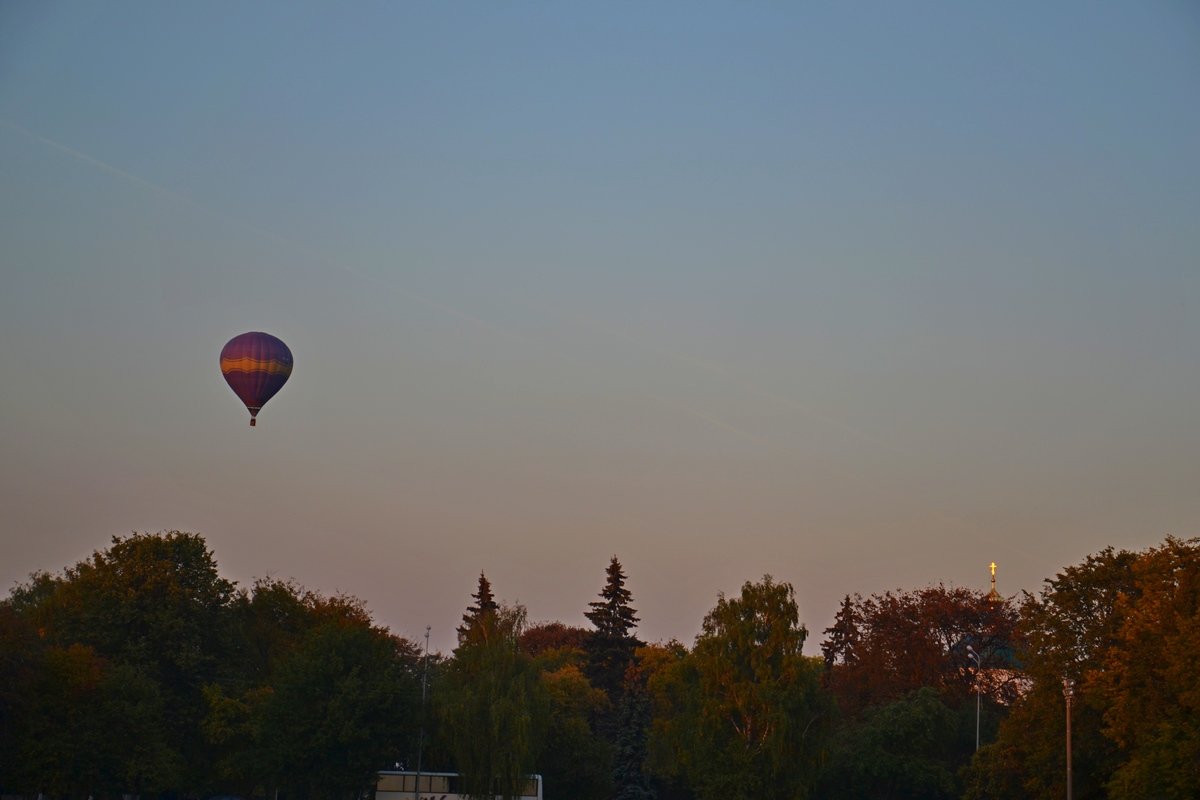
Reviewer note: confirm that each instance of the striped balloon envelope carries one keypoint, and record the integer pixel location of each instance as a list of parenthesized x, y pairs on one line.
[(256, 366)]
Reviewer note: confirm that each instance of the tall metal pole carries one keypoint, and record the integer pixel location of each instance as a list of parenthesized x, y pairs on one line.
[(1068, 693), (978, 690), (978, 701), (421, 732)]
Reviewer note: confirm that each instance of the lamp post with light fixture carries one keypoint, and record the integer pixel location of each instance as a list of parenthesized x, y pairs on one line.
[(978, 690)]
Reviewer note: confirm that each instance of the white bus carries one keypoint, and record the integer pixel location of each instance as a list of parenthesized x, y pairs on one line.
[(399, 785)]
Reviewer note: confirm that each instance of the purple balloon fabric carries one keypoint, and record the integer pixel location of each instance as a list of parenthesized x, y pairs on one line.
[(255, 365)]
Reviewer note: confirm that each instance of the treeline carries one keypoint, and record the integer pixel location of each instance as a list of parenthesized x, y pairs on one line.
[(142, 671)]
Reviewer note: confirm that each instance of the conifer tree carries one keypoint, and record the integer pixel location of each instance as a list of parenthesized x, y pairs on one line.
[(610, 649), (610, 652), (612, 615), (485, 604)]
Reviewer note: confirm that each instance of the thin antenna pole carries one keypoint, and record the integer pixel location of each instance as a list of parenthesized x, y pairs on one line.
[(421, 733)]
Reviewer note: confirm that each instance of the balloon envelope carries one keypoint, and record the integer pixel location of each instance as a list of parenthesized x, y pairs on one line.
[(255, 365)]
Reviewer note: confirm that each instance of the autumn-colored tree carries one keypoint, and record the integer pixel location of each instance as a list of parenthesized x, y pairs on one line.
[(1147, 680), (1067, 630), (543, 637), (884, 646), (575, 762), (153, 609), (670, 686)]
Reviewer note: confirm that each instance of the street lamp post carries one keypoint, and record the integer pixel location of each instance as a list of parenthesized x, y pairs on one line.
[(978, 690), (1068, 693)]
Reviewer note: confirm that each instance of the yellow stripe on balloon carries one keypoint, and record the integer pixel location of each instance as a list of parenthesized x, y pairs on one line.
[(270, 366)]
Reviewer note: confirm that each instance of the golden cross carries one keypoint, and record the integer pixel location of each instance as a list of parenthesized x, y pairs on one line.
[(993, 566)]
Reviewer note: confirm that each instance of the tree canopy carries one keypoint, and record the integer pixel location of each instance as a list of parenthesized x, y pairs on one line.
[(1122, 624), (493, 706), (141, 670), (738, 716)]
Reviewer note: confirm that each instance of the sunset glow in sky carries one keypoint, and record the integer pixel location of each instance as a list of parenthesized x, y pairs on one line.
[(864, 296)]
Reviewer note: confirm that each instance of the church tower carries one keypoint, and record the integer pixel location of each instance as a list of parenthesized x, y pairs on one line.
[(993, 595)]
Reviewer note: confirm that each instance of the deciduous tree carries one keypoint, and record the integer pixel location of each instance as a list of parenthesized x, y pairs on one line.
[(1147, 680), (153, 607), (546, 636), (575, 762), (492, 707), (1067, 630), (884, 646), (746, 704), (904, 749), (340, 706)]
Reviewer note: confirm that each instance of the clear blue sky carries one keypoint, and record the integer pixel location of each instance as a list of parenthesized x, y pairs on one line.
[(861, 295)]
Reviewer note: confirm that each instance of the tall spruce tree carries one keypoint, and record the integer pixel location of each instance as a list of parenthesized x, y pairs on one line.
[(610, 652), (610, 648), (485, 604)]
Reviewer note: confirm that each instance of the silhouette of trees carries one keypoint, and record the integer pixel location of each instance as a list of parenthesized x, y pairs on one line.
[(485, 605), (610, 651), (140, 670), (339, 707), (611, 645), (133, 630)]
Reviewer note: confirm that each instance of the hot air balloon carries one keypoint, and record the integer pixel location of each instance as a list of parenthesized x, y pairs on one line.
[(256, 366)]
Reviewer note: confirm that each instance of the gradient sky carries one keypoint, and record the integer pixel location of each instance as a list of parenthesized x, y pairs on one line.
[(861, 295)]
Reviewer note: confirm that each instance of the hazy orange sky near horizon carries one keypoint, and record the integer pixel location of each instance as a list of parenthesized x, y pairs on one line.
[(864, 298)]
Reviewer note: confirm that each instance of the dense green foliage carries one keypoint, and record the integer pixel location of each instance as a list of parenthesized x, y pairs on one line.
[(142, 671), (906, 748), (739, 715), (493, 706)]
